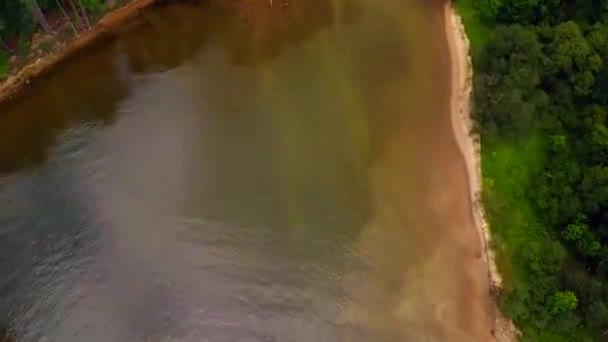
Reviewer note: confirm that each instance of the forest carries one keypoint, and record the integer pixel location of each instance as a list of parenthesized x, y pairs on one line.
[(59, 19), (541, 108)]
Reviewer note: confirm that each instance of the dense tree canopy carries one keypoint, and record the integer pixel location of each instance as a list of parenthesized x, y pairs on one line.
[(508, 96), (544, 71)]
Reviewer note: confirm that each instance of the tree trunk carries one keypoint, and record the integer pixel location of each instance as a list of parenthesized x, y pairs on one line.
[(65, 14), (76, 14), (39, 16), (84, 14), (6, 47)]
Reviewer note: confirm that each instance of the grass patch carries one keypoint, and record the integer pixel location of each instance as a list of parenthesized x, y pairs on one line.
[(508, 170), (477, 31)]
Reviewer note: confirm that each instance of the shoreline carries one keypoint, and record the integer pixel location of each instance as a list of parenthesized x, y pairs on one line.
[(469, 145), (106, 27)]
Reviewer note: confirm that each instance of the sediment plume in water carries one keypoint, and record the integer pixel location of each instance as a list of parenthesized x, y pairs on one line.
[(234, 171)]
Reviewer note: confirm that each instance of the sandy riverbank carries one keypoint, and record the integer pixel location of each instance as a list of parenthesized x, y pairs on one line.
[(104, 28), (468, 143)]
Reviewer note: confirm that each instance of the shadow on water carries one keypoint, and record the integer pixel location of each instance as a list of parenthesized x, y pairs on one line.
[(162, 39)]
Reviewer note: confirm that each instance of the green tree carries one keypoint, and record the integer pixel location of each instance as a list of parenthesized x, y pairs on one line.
[(528, 11), (37, 15), (563, 302), (508, 100), (84, 14), (2, 29), (571, 52), (66, 16), (89, 5), (585, 241), (488, 9), (76, 13)]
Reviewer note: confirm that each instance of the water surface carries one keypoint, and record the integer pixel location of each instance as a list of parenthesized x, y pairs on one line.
[(239, 172)]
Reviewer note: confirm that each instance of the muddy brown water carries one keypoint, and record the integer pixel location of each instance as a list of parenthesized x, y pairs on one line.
[(239, 172)]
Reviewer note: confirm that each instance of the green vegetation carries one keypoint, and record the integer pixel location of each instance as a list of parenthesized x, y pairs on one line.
[(541, 105), (477, 32), (3, 64), (19, 20)]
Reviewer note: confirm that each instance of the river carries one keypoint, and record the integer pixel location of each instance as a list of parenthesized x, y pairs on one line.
[(235, 171)]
